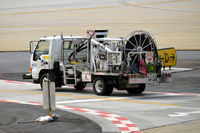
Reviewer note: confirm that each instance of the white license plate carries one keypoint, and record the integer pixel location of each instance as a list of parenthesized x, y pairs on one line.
[(151, 78), (138, 80)]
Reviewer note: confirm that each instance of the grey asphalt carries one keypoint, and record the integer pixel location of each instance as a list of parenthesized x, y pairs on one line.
[(13, 118)]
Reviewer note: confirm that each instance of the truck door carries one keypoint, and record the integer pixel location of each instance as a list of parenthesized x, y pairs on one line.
[(40, 58)]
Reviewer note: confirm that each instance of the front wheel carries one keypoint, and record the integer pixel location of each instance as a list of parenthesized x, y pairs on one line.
[(137, 90), (100, 87), (42, 78)]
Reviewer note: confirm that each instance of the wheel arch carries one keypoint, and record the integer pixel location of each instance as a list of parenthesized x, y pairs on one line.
[(42, 72)]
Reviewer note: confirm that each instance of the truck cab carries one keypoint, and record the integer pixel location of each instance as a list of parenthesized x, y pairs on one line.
[(49, 53)]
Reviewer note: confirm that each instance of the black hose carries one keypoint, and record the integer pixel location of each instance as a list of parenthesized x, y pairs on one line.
[(80, 48)]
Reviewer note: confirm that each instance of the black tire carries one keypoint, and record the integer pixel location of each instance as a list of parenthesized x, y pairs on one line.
[(80, 86), (100, 87), (44, 76), (137, 90), (58, 84)]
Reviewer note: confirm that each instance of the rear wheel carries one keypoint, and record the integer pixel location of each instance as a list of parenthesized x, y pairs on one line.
[(100, 87), (137, 90), (80, 86)]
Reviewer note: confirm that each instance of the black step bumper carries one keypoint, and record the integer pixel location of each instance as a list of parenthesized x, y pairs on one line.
[(27, 76)]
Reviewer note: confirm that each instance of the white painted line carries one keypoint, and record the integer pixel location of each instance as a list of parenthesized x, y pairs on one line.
[(88, 100), (172, 70), (181, 114), (79, 101), (176, 68)]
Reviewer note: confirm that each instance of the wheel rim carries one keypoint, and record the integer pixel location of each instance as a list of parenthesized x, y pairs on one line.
[(99, 86), (44, 79)]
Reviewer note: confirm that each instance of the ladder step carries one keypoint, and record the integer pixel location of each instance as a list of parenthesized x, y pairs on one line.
[(70, 84), (70, 78), (69, 75)]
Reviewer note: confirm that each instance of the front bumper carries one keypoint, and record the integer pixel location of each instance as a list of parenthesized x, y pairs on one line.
[(27, 76)]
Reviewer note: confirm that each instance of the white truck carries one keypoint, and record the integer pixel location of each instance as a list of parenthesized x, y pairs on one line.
[(122, 63)]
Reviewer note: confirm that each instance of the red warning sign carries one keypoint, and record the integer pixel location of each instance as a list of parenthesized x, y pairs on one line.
[(90, 33), (149, 57)]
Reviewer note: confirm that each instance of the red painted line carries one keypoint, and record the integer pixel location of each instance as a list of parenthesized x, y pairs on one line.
[(127, 125), (116, 122), (122, 123), (124, 129), (36, 103), (103, 112), (121, 118), (130, 125), (6, 101), (9, 81), (103, 115), (15, 82)]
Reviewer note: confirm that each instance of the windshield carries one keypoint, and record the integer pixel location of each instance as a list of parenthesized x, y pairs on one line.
[(42, 48)]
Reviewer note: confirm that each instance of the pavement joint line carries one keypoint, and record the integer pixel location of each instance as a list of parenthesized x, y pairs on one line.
[(101, 98), (124, 125), (92, 8)]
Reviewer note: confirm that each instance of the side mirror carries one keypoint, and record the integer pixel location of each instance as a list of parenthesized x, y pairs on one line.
[(31, 47)]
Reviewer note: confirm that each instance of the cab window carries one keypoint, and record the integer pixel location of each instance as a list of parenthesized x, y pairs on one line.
[(42, 48), (68, 45)]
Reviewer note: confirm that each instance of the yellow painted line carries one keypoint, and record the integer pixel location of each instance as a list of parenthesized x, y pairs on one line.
[(91, 97), (91, 8), (24, 92)]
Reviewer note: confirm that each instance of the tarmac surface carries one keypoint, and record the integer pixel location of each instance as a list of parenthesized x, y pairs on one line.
[(184, 83)]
